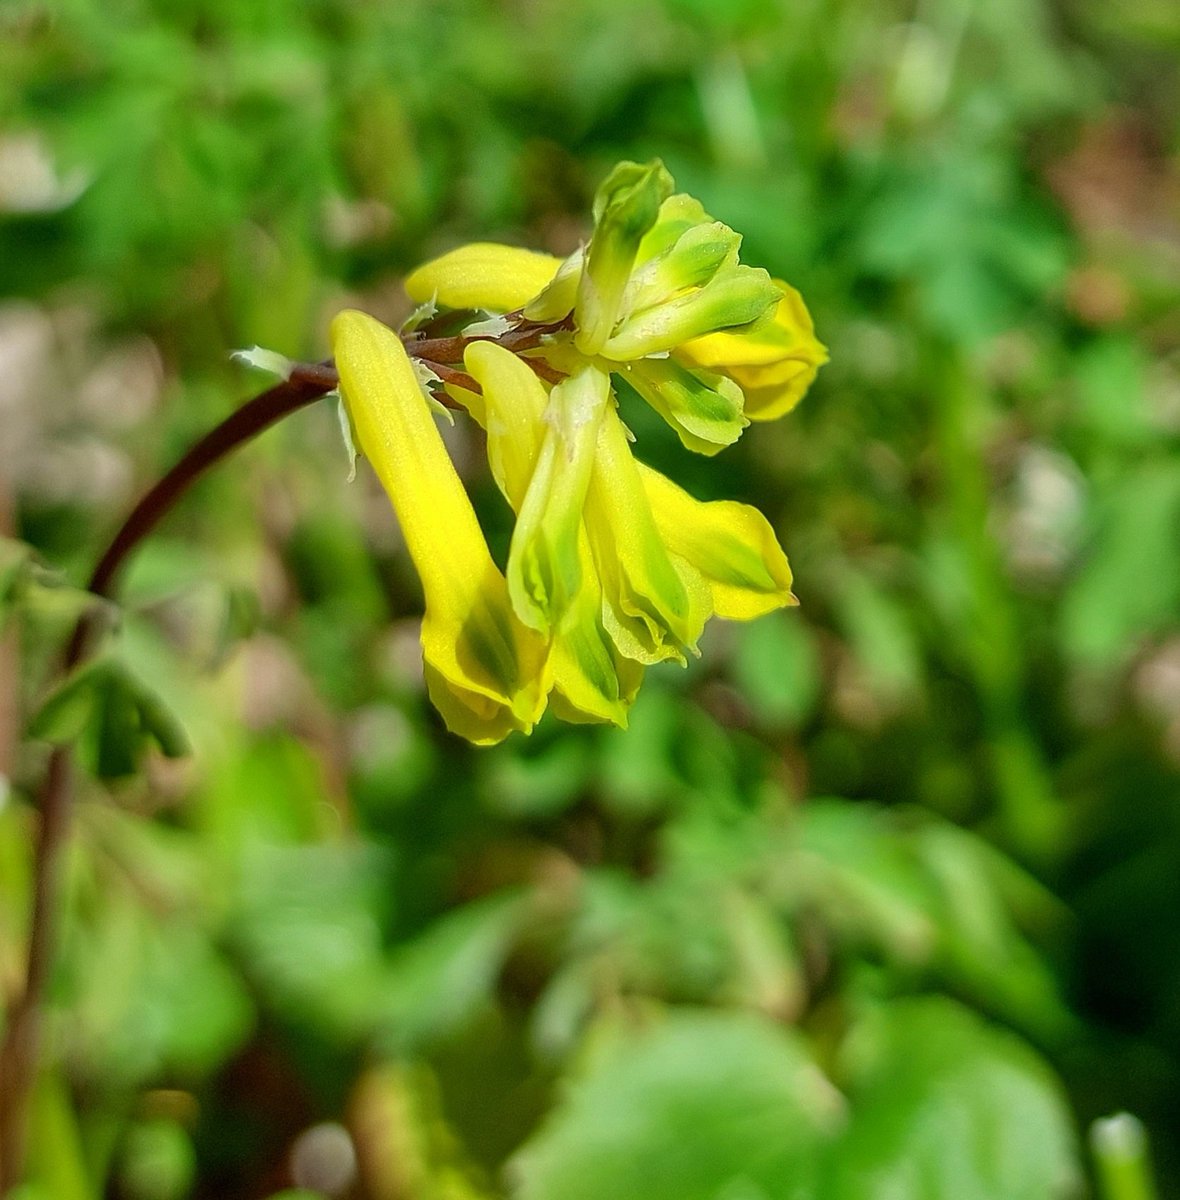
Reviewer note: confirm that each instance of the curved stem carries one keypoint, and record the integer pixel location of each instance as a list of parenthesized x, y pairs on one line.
[(20, 1051), (308, 382)]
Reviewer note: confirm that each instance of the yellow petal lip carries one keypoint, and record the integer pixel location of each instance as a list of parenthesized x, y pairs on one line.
[(484, 275), (487, 674), (732, 545)]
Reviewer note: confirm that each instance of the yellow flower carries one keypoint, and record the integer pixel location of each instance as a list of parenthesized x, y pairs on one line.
[(611, 566), (485, 671), (774, 362)]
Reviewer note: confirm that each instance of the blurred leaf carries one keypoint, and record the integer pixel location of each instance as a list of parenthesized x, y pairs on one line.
[(1129, 582), (945, 1106), (408, 1149), (56, 1161), (537, 781), (866, 880), (122, 714), (777, 669), (1110, 377), (157, 1161), (695, 1106), (442, 977), (306, 928), (881, 635), (152, 995)]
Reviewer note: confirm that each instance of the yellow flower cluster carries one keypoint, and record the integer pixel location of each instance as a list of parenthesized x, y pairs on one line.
[(612, 566)]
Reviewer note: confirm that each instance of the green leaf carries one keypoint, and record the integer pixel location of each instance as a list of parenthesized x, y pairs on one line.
[(696, 1106), (104, 699), (70, 707), (1129, 584), (440, 979), (777, 669), (946, 1107)]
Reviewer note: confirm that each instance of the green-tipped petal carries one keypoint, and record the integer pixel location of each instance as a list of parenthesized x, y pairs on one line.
[(626, 206), (704, 409), (677, 214), (592, 680), (483, 275), (695, 257), (486, 671), (654, 604), (544, 569), (735, 296), (731, 544), (774, 361)]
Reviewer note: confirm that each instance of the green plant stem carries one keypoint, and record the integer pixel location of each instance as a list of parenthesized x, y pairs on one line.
[(20, 1052)]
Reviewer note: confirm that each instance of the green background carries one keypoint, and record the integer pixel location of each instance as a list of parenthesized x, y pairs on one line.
[(877, 899)]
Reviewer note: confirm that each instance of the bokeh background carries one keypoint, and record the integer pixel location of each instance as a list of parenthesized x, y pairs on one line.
[(881, 897)]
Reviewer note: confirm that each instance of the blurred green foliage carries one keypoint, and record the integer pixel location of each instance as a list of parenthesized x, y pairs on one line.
[(877, 898)]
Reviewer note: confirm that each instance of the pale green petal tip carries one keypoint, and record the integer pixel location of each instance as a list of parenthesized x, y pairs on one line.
[(737, 295), (261, 359)]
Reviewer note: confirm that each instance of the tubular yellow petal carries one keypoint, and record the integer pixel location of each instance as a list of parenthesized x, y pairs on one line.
[(654, 603), (478, 656), (731, 544), (483, 275)]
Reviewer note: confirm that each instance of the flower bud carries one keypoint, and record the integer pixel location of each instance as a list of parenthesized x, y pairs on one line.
[(625, 208), (691, 261)]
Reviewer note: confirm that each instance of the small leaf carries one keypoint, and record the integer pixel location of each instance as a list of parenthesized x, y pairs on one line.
[(121, 712)]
